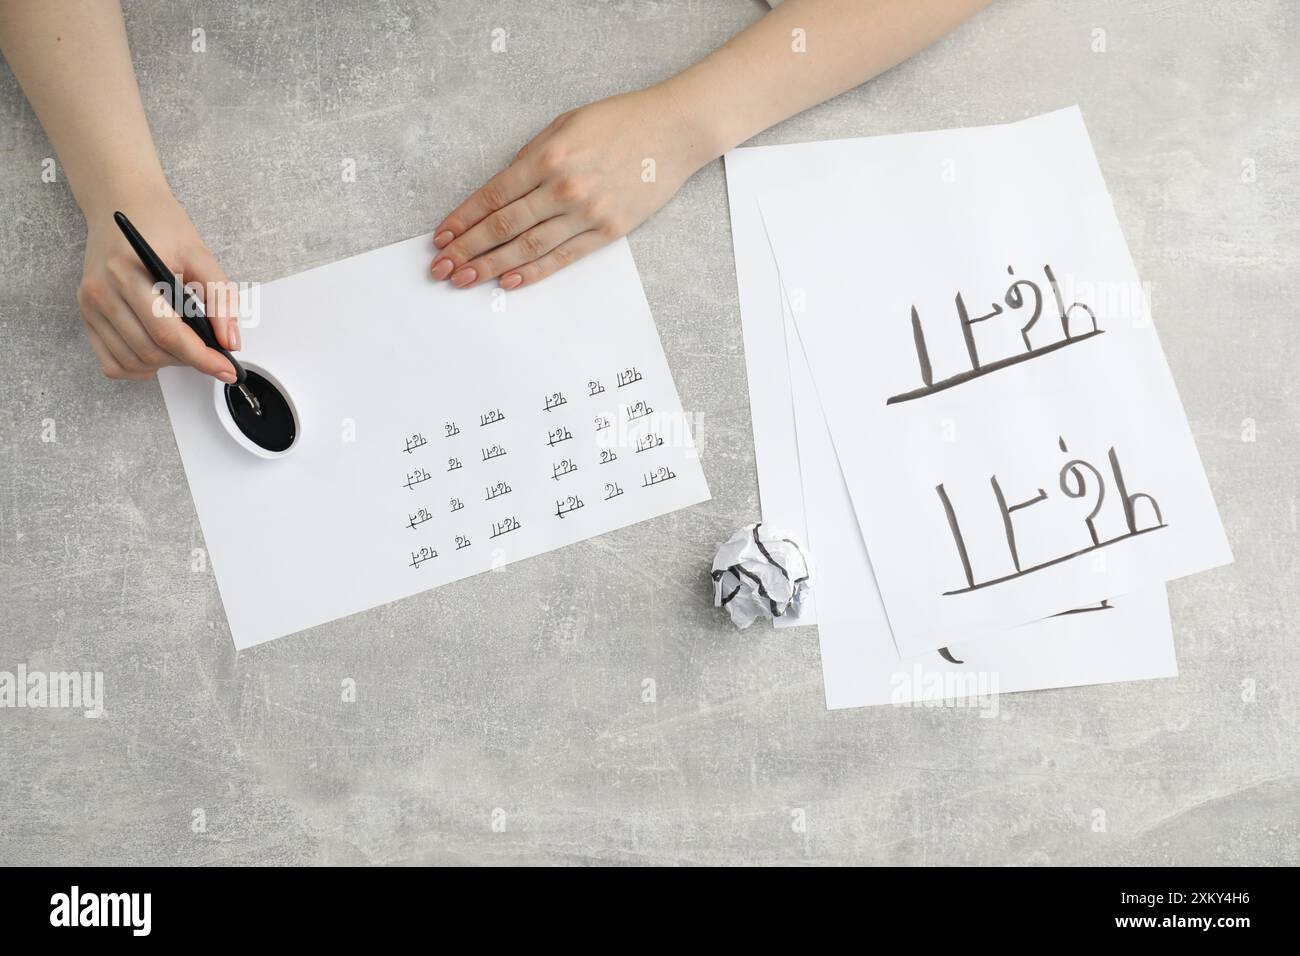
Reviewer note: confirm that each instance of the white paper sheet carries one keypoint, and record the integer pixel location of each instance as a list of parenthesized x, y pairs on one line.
[(383, 364), (930, 425), (776, 456), (1129, 638)]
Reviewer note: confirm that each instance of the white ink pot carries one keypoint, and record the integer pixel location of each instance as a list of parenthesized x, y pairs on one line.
[(282, 427)]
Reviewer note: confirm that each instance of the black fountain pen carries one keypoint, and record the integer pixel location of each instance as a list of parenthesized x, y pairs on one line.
[(191, 312)]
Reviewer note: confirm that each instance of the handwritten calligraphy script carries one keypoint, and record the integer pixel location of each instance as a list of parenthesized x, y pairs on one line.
[(1073, 481), (1074, 323), (1023, 297), (562, 424)]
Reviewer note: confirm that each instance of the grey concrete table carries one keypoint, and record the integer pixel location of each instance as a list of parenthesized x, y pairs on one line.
[(503, 718)]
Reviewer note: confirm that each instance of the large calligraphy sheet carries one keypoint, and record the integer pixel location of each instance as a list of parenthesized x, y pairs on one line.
[(1007, 426)]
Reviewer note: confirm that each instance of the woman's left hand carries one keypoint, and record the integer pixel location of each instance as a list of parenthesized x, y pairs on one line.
[(592, 176)]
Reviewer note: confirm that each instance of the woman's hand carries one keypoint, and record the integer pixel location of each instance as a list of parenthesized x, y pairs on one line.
[(133, 330), (590, 177)]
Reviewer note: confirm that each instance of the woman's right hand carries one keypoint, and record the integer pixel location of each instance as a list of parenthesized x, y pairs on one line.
[(133, 330)]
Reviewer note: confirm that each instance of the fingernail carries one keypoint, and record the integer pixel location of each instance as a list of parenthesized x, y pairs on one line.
[(511, 281), (227, 377), (464, 277), (442, 268), (444, 237), (233, 335)]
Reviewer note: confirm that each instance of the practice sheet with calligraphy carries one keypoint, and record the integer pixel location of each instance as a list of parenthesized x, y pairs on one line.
[(444, 432), (1007, 425)]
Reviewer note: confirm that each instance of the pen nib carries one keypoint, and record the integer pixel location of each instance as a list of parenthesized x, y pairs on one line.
[(253, 403)]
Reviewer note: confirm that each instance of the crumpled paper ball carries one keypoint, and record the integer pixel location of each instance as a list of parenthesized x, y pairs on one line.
[(760, 572)]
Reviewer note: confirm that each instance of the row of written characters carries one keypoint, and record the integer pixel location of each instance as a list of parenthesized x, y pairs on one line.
[(550, 403), (510, 523), (632, 413), (565, 466)]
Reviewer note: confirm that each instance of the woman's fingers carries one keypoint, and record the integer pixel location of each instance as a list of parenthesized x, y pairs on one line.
[(108, 364), (501, 190), (220, 296), (173, 336), (499, 227), (566, 253), (122, 362), (123, 321), (526, 247)]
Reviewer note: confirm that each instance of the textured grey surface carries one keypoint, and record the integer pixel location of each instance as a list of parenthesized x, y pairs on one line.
[(521, 692)]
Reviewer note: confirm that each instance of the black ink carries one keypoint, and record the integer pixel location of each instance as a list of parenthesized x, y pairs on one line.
[(416, 477), (276, 428), (1104, 605), (658, 476), (738, 571), (968, 334), (1064, 312), (922, 353), (648, 442), (1081, 487), (505, 527), (568, 505), (1016, 297), (1130, 508), (424, 554), (996, 366), (1048, 564), (1073, 484), (1006, 511), (762, 549), (956, 534)]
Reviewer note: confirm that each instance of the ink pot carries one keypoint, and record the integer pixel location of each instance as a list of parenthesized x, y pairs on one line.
[(276, 431)]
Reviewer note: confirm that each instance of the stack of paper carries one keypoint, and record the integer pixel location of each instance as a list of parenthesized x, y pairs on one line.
[(961, 405)]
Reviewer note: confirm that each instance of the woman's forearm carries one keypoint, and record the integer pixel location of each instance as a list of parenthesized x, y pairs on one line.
[(800, 54), (72, 60)]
